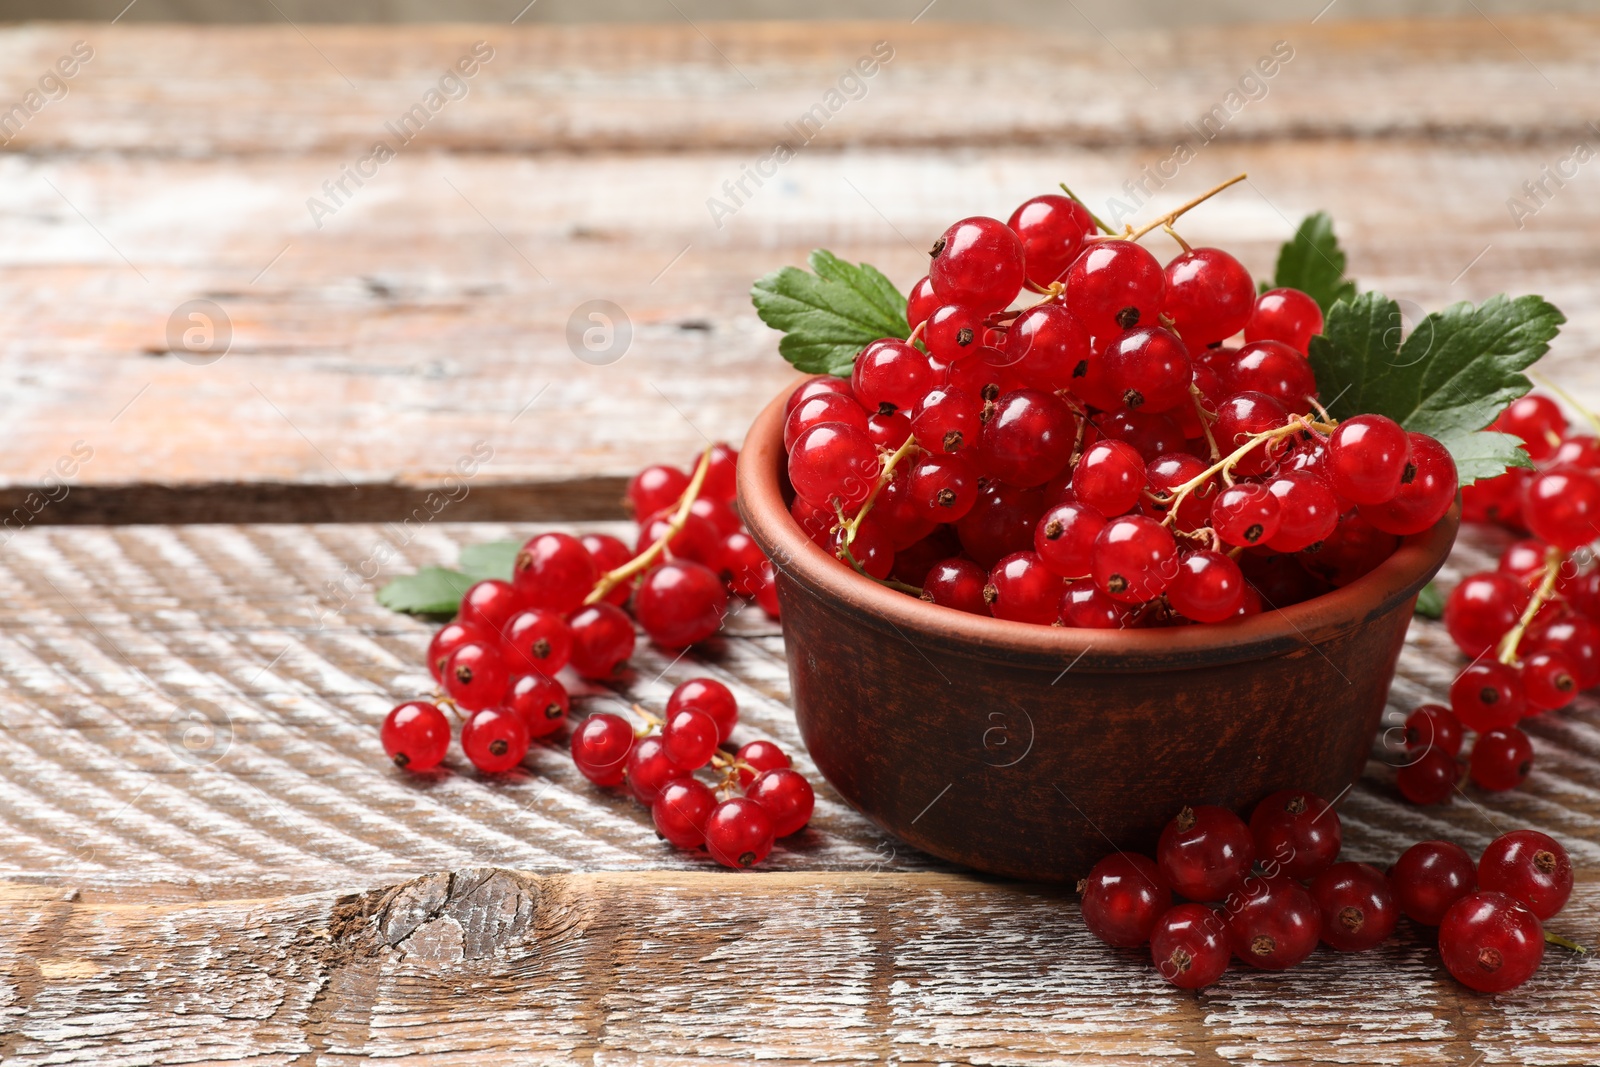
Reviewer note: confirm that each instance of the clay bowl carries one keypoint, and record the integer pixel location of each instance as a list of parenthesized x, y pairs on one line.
[(1032, 751)]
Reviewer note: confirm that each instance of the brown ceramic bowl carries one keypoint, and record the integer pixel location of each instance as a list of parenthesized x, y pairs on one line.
[(1032, 751)]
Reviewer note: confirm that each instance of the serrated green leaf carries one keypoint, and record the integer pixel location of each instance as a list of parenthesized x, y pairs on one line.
[(431, 591), (1449, 378), (1313, 263), (490, 559), (831, 315), (1430, 602)]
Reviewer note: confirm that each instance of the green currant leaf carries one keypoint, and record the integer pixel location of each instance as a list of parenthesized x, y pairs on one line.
[(1449, 378), (1430, 602), (1313, 263), (431, 591), (490, 559), (830, 315)]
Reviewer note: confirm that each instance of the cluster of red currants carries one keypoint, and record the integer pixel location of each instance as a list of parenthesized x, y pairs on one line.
[(1489, 915), (1105, 457), (1532, 625)]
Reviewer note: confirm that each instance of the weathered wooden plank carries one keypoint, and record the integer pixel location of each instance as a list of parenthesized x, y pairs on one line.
[(458, 967)]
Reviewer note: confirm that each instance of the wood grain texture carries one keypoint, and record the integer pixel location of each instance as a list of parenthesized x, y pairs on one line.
[(430, 312)]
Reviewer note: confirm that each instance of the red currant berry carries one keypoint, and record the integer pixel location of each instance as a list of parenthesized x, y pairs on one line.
[(1276, 369), (719, 514), (1433, 726), (1085, 606), (1189, 946), (977, 262), (1123, 898), (696, 541), (488, 605), (710, 696), (947, 420), (1353, 549), (1114, 286), (1497, 499), (1052, 230), (1480, 610), (1028, 438), (1429, 877), (1153, 435), (890, 376), (655, 488), (649, 769), (1491, 942), (1429, 779), (1165, 474), (679, 604), (449, 638), (834, 461), (1307, 510), (1529, 867), (1109, 477), (1273, 924), (602, 637), (1577, 640), (814, 386), (1358, 906), (416, 735), (758, 756), (600, 747), (537, 641), (1147, 369), (1044, 346), (681, 810), (475, 676), (1209, 297), (1487, 695), (1205, 852), (1001, 521), (958, 584), (872, 548), (889, 432), (1133, 559), (1524, 560), (1577, 450), (1243, 416), (555, 572), (1427, 490), (739, 833), (1208, 587), (1245, 514), (1548, 681), (1286, 315), (920, 302), (1296, 834), (954, 334), (942, 488), (819, 409), (609, 553), (1021, 588), (722, 473), (494, 739), (1538, 421), (1064, 538), (898, 514), (787, 797), (541, 701), (1501, 759), (690, 737), (741, 564), (1563, 507)]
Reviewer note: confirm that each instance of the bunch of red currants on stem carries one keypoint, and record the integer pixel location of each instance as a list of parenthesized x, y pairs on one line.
[(1268, 891), (1531, 626), (1106, 456), (497, 663)]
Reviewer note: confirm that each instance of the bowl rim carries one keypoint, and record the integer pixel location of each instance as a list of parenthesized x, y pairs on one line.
[(930, 627)]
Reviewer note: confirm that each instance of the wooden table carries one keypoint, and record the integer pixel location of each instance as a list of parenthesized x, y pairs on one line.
[(205, 856)]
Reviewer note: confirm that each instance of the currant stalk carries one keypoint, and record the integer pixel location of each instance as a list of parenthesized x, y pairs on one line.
[(1171, 217), (612, 578), (1107, 230), (850, 527), (1208, 417), (1507, 651), (1225, 465)]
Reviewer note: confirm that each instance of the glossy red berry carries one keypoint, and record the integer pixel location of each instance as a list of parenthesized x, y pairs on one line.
[(1208, 587), (697, 540), (900, 515), (741, 564), (1001, 521), (1123, 897), (1147, 369), (1286, 315), (536, 641), (1064, 538), (1429, 877), (681, 810), (600, 747), (819, 409), (1432, 726), (1273, 924), (1480, 610), (947, 420), (1114, 286), (814, 386), (1491, 942), (555, 572), (1109, 477), (1308, 511), (1205, 852), (1529, 867), (1044, 347), (739, 833), (719, 514), (1549, 681), (1245, 514), (1086, 606), (1487, 695), (920, 302), (602, 637), (1154, 435), (1296, 834), (1164, 475), (1427, 489), (889, 432), (787, 797), (1276, 369), (1501, 759), (1431, 778), (1189, 946), (1133, 559), (977, 262), (1021, 588), (1209, 297), (722, 474), (1575, 638), (958, 584), (889, 376), (450, 637), (1358, 906), (649, 769), (1562, 507), (416, 735), (1241, 417), (690, 738), (488, 605), (1537, 420), (609, 553), (654, 488), (834, 461), (872, 547), (942, 489), (1052, 230), (758, 756), (475, 676), (679, 604), (1028, 438), (494, 739), (542, 703), (710, 696)]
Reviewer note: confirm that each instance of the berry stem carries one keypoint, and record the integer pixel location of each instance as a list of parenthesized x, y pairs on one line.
[(1171, 217), (884, 478), (1564, 942), (651, 722), (1590, 417), (612, 578), (1170, 232), (1225, 465), (1107, 230), (1507, 652), (1206, 419)]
